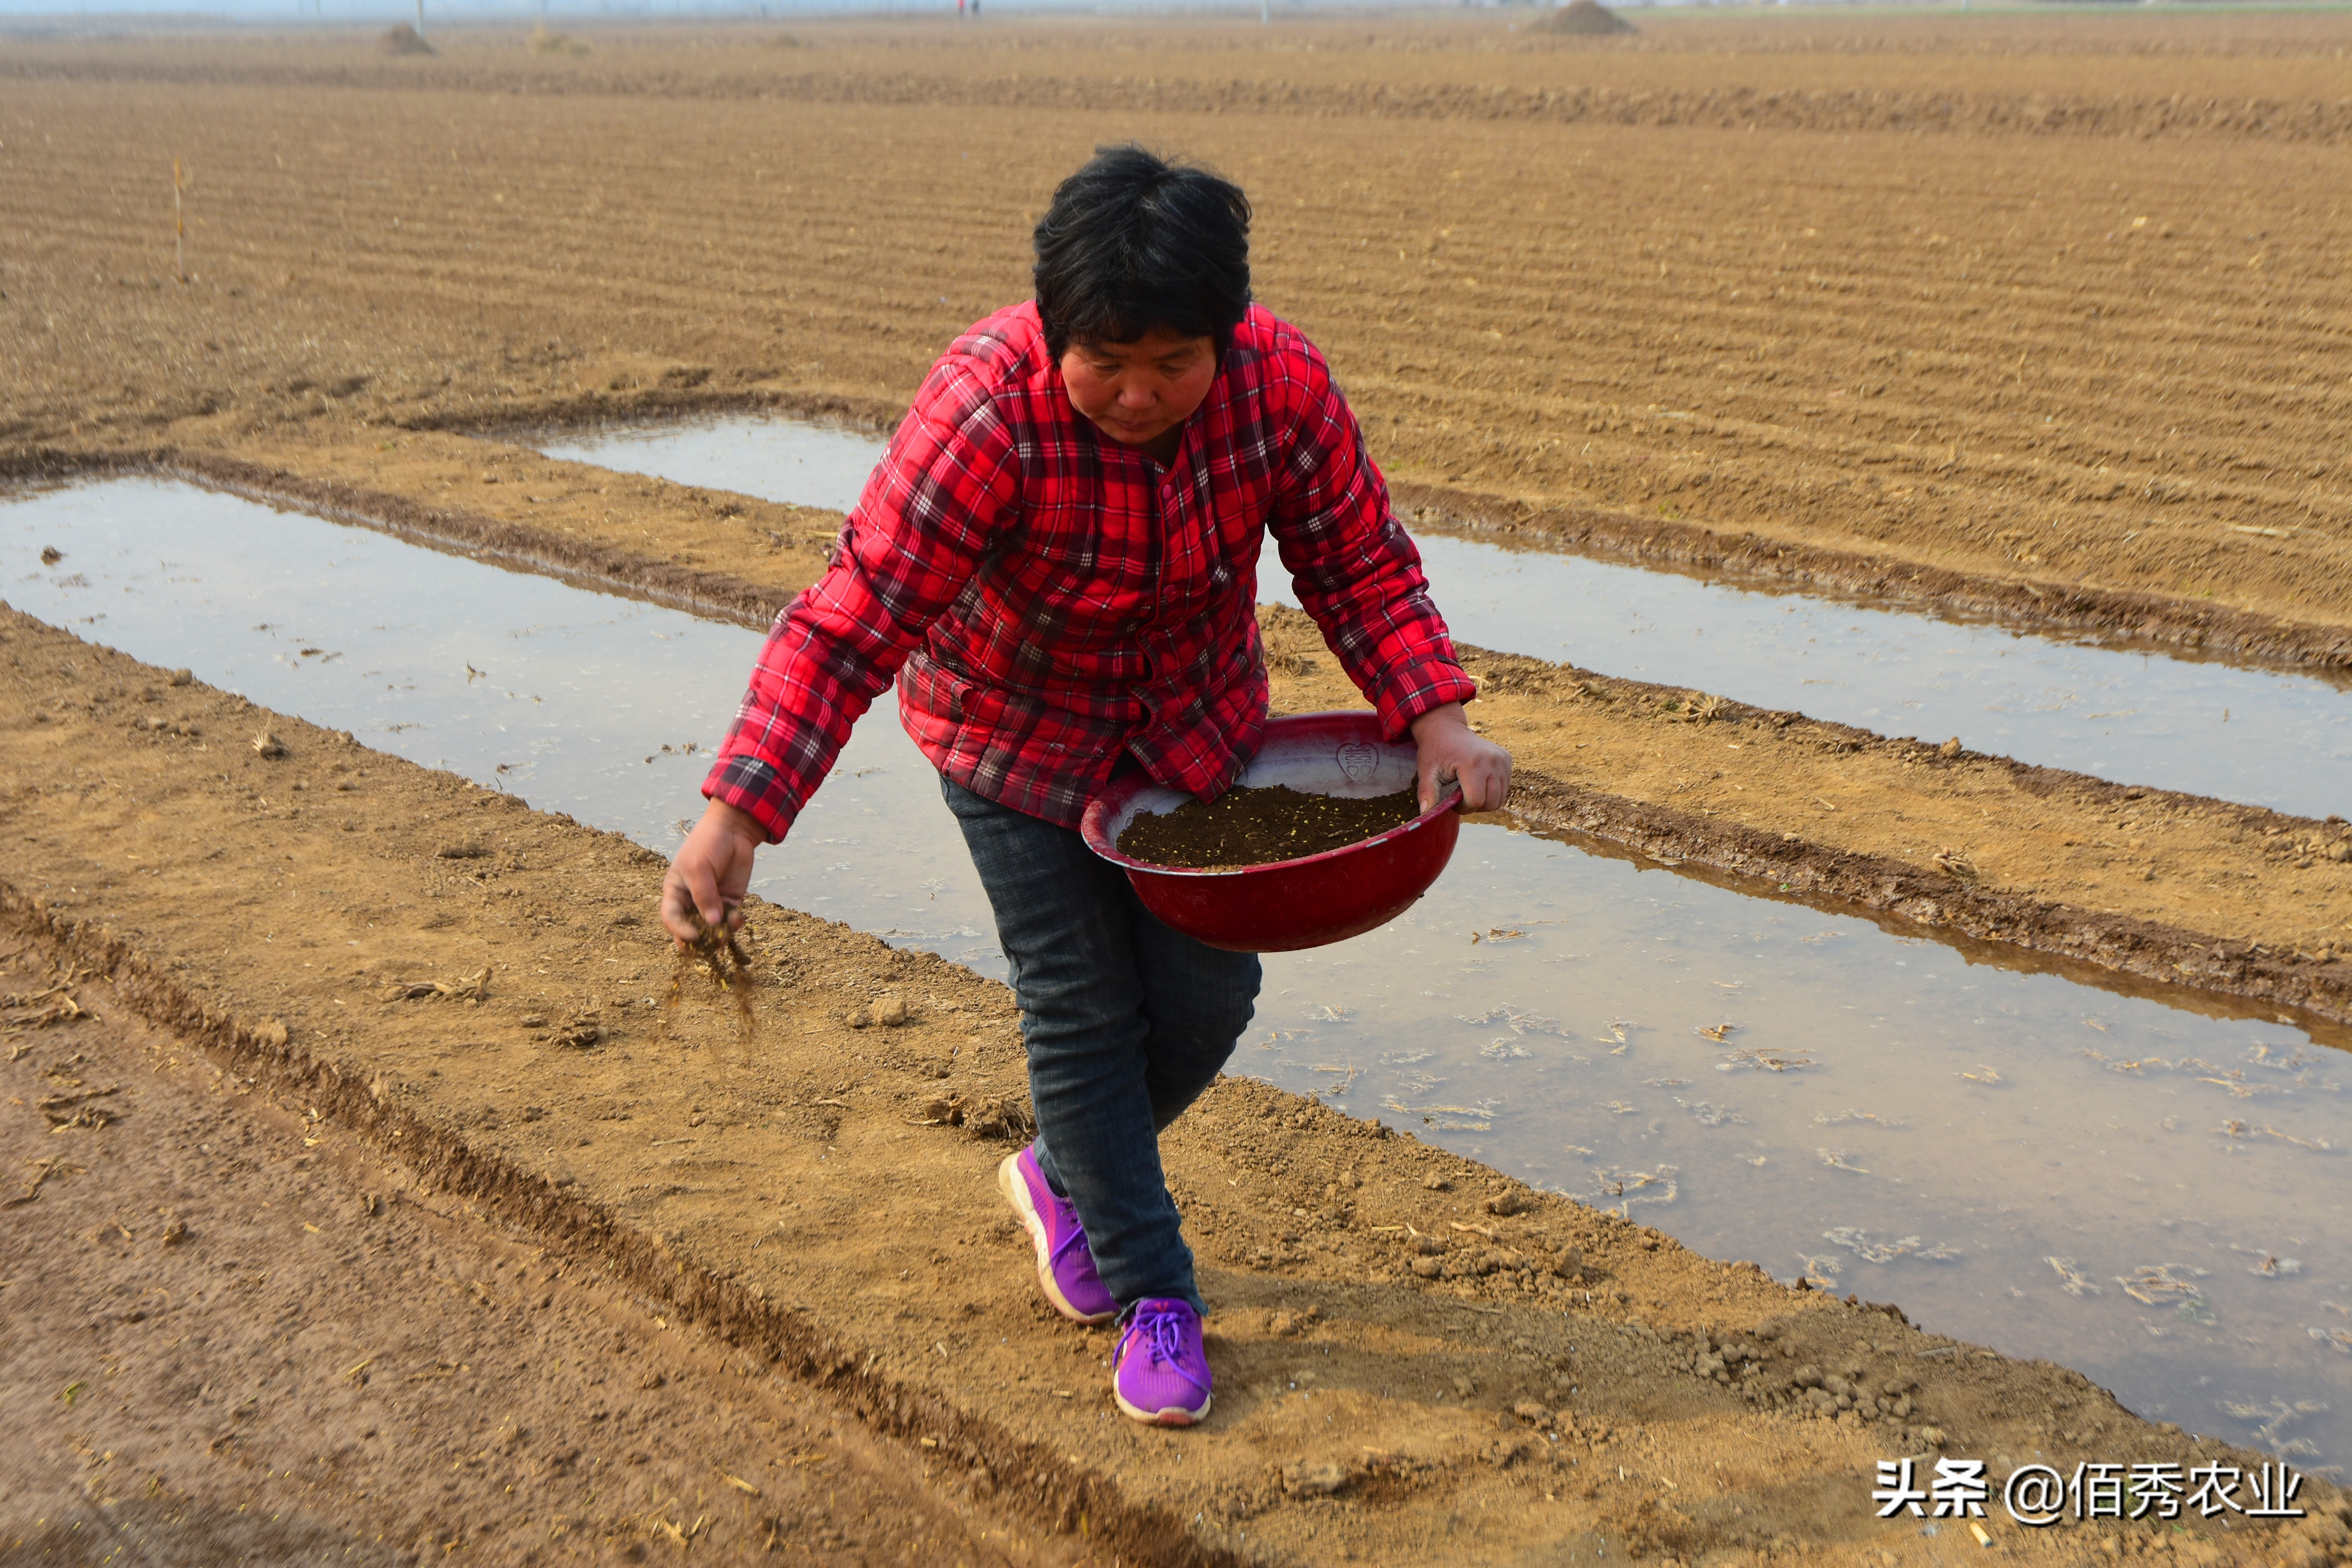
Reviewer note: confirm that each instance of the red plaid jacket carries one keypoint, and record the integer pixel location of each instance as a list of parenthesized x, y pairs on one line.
[(1052, 600)]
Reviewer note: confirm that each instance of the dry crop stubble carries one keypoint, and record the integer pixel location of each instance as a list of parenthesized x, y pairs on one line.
[(1957, 348)]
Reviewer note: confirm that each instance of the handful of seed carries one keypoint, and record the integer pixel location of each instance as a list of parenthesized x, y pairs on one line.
[(717, 953)]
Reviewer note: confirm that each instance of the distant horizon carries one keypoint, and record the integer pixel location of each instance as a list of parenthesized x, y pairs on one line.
[(464, 12), (461, 13)]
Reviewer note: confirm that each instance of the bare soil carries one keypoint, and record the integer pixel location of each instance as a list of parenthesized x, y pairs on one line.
[(1414, 1365), (1905, 289), (1849, 300), (1252, 827), (232, 1334)]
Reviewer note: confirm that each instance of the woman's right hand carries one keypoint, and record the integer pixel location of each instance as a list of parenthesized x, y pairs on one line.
[(712, 873)]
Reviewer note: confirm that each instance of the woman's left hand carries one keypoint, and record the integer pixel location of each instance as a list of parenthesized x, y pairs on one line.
[(1453, 752)]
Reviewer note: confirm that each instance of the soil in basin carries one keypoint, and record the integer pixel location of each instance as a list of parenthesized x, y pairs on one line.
[(1254, 826)]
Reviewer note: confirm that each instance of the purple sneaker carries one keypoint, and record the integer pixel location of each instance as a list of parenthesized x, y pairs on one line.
[(1065, 1269), (1161, 1374)]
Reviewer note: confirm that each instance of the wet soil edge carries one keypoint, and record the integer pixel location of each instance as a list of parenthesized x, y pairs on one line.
[(2122, 616), (451, 530), (2145, 949), (1748, 560), (1031, 1480), (2116, 616), (2152, 949)]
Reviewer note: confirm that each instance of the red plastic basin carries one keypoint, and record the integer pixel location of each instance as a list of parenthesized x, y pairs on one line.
[(1306, 902)]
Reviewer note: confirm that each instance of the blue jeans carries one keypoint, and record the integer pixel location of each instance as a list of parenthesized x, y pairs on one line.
[(1126, 1023)]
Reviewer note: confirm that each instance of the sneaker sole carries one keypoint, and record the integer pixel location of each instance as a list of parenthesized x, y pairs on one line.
[(1016, 1193), (1174, 1415)]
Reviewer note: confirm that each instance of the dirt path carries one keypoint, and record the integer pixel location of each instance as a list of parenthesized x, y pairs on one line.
[(2170, 888), (232, 1334), (474, 990)]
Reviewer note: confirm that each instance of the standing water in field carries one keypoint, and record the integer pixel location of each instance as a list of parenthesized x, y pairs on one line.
[(2200, 726), (2152, 1189), (603, 707), (775, 459)]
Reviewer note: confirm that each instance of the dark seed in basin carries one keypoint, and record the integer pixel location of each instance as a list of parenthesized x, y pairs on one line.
[(1253, 827)]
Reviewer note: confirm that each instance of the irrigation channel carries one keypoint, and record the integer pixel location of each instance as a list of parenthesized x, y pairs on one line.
[(2151, 1189), (2136, 717)]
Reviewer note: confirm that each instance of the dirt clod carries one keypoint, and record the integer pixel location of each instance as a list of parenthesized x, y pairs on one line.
[(1303, 1478), (983, 1116)]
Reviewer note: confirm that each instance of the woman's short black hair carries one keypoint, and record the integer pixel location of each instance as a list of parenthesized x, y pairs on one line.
[(1133, 242)]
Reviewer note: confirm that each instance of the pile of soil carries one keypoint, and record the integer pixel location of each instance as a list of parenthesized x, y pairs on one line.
[(1253, 827), (404, 39), (1587, 17)]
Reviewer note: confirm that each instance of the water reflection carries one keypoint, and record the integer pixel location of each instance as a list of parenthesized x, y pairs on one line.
[(603, 707)]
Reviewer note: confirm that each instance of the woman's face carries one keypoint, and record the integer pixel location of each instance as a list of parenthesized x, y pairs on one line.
[(1137, 393)]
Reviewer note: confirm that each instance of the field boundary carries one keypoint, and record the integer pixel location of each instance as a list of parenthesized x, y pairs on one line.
[(2169, 956), (1838, 110), (2145, 950), (1030, 1478), (2127, 617)]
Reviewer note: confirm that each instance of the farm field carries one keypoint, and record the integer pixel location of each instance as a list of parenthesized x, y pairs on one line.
[(2104, 357), (783, 1198), (2015, 308)]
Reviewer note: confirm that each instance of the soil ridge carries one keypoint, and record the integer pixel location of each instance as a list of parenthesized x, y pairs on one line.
[(2173, 958), (2129, 616), (2320, 121), (539, 1413), (1030, 1478)]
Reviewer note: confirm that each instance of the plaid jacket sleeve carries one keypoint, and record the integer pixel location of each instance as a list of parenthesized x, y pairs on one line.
[(1356, 569), (929, 515)]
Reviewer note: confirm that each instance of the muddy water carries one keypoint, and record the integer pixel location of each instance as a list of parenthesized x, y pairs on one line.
[(2267, 739), (602, 707), (776, 459), (2257, 736), (2150, 1192)]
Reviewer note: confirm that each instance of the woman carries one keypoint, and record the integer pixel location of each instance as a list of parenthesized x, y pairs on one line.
[(1056, 559)]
